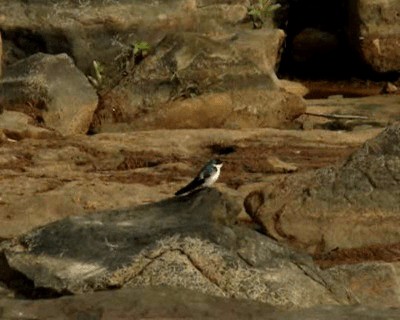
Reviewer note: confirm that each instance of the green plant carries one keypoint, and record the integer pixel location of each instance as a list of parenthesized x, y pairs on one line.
[(141, 49), (260, 10)]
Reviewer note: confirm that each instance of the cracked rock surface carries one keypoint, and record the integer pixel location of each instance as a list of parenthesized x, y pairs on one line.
[(189, 242)]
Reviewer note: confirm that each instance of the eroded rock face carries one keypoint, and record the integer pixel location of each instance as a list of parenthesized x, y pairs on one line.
[(354, 205), (189, 242), (193, 81), (88, 31), (206, 67), (375, 33), (53, 90)]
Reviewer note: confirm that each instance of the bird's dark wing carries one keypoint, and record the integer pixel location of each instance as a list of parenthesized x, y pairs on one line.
[(196, 182), (206, 172)]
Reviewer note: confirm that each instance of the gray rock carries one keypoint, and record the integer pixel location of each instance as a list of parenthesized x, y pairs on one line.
[(51, 88), (188, 242)]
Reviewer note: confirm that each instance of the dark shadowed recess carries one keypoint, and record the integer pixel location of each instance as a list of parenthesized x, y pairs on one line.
[(317, 47), (22, 286), (26, 42)]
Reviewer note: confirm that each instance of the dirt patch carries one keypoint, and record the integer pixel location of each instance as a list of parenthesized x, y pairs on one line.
[(387, 253), (148, 179), (134, 160), (241, 164), (247, 162)]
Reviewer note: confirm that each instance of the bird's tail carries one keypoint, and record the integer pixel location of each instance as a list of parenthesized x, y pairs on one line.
[(191, 186)]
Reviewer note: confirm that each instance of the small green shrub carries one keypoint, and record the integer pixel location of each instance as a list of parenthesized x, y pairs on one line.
[(141, 49), (259, 11)]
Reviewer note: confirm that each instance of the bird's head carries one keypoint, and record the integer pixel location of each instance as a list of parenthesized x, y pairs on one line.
[(216, 162)]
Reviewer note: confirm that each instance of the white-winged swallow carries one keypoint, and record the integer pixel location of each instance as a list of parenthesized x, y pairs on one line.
[(205, 178)]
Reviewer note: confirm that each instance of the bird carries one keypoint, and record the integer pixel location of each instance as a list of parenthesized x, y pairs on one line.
[(205, 178)]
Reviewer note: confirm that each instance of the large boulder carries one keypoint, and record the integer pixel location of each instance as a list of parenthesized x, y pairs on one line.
[(352, 205), (51, 89), (193, 81), (200, 50), (188, 242), (374, 32)]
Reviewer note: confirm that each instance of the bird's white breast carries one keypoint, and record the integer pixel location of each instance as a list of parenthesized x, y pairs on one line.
[(214, 177)]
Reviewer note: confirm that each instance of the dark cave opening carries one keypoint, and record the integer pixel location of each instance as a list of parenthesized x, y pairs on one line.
[(318, 50)]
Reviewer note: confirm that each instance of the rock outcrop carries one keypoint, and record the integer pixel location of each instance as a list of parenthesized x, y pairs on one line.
[(52, 90), (375, 33), (354, 205), (194, 81), (189, 242), (205, 66)]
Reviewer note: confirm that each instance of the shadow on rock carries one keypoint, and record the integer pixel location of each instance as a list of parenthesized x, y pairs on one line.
[(188, 242)]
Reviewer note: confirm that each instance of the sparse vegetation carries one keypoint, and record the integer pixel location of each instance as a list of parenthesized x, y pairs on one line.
[(130, 54), (260, 10), (141, 49), (97, 79)]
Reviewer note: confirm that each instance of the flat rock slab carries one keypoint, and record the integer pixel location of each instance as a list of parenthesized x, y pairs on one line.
[(172, 303), (377, 111), (50, 178)]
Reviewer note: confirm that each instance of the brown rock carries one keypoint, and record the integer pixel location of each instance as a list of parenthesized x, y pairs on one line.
[(1, 59), (374, 283), (55, 177), (17, 126), (172, 303), (389, 88), (90, 32), (375, 111), (240, 109), (375, 33), (237, 92), (353, 205), (294, 87), (51, 88)]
